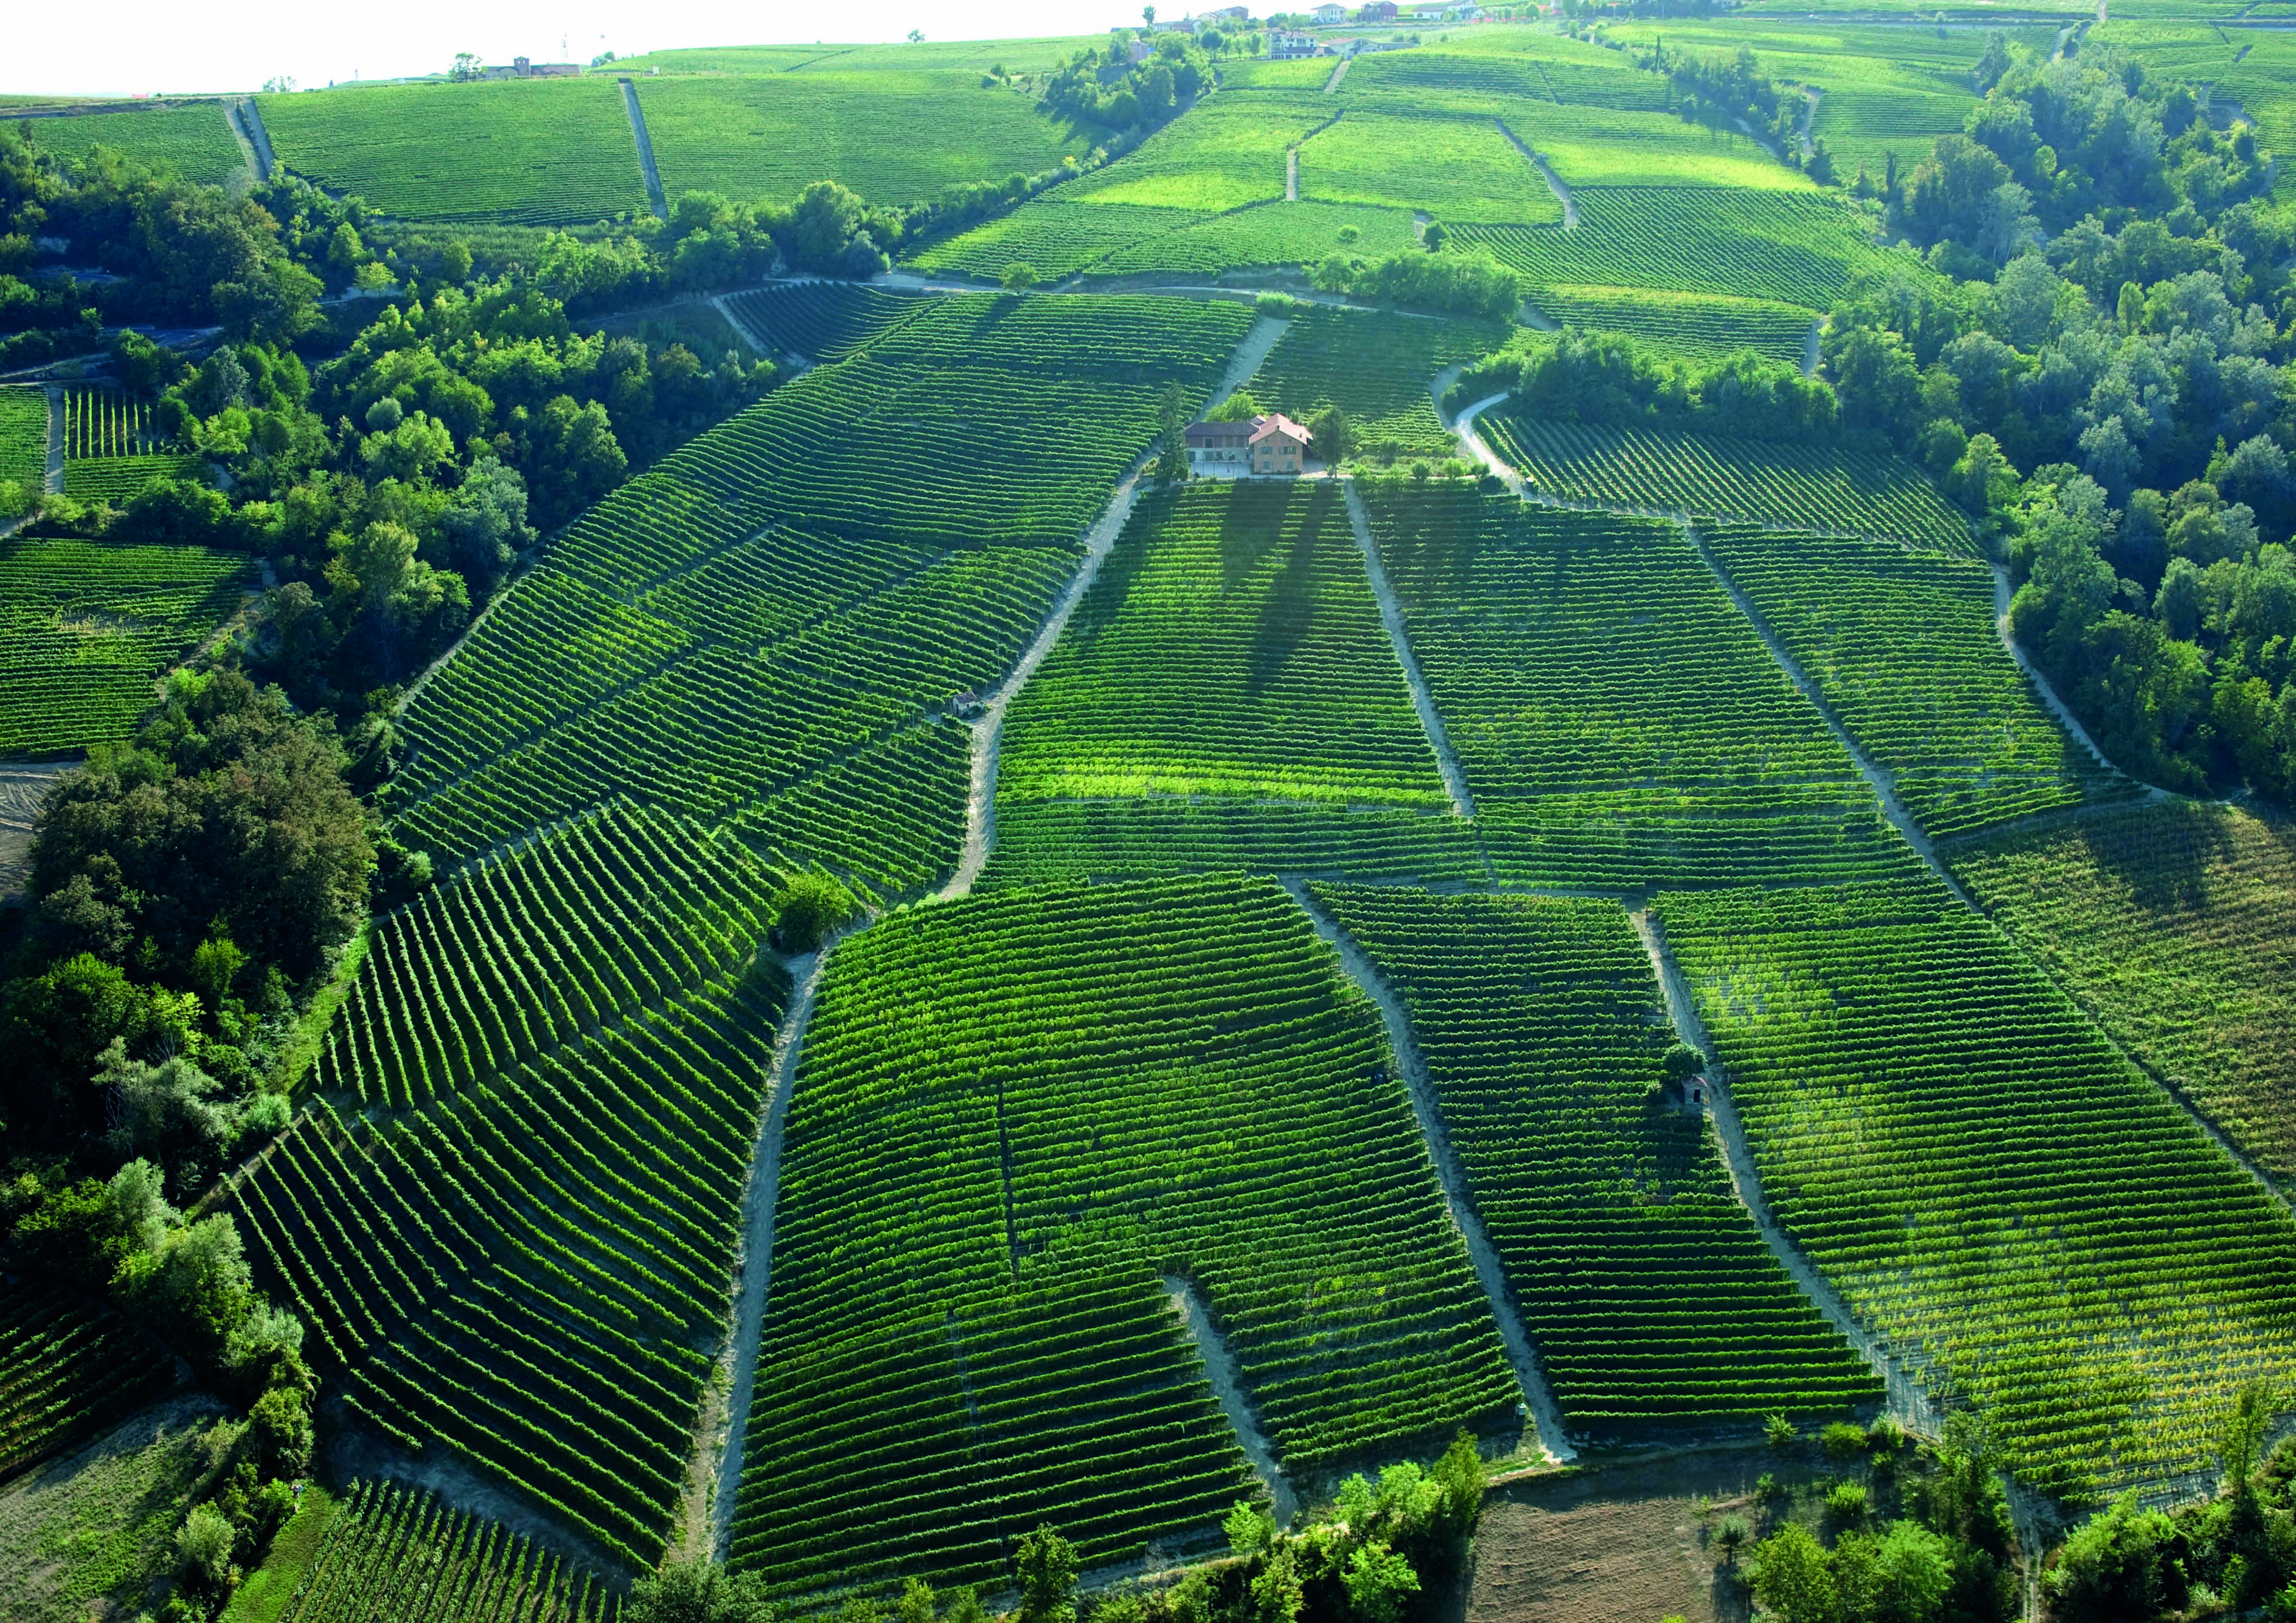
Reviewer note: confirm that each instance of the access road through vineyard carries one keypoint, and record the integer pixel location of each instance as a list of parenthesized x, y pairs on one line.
[(1391, 616), (1538, 1403)]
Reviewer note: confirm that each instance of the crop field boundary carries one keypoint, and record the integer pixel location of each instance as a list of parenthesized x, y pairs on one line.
[(2057, 707), (753, 1267), (1099, 541), (251, 117), (1546, 172), (1227, 1386), (1390, 617), (1538, 1402), (232, 121), (55, 477), (1908, 1401), (645, 150)]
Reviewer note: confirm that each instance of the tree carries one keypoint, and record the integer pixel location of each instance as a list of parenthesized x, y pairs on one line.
[(1380, 1583), (465, 68), (2117, 1568), (810, 908), (1148, 15), (1732, 1537), (2240, 1436), (1172, 465), (916, 36), (698, 1592), (1778, 1431), (1045, 1564), (1018, 277)]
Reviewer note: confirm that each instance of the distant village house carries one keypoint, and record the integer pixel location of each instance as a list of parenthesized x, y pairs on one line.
[(521, 68), (1282, 45), (1328, 14), (1271, 443), (1378, 10)]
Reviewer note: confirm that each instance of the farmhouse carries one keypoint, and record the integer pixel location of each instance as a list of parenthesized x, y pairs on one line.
[(1378, 10), (1271, 443), (525, 68), (1328, 14), (1282, 45)]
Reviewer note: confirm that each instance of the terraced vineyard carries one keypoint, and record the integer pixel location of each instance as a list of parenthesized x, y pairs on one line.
[(522, 151), (1709, 477), (85, 626), (1012, 1117), (518, 1259), (69, 1367), (1376, 368), (398, 1552), (822, 321), (2025, 1219), (1228, 654), (895, 136), (752, 630), (1904, 651), (1701, 327), (193, 141), (2175, 925), (1796, 248), (1620, 723), (1650, 1297)]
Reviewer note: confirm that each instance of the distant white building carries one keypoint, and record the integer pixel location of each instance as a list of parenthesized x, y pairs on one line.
[(1328, 14), (1282, 45)]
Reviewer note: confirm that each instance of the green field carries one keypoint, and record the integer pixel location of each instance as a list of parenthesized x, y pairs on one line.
[(1494, 70), (195, 142), (526, 153), (70, 1368), (973, 56), (1796, 247), (1594, 146), (87, 626), (895, 137), (1019, 1126), (1761, 481), (1223, 154), (1702, 326), (1651, 1297), (24, 435), (1904, 651), (1619, 723), (1457, 169), (2028, 1223), (2173, 925)]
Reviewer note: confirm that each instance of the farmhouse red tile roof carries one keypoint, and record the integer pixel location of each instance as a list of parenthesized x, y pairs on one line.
[(1262, 427)]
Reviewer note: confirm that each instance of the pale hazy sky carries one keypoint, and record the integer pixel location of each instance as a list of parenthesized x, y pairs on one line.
[(116, 48)]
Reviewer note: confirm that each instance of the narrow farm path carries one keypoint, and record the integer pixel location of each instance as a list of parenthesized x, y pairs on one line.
[(1538, 1403), (1546, 172), (1877, 780), (750, 334), (1338, 73), (2002, 594), (55, 475), (1291, 175), (755, 1266), (660, 203), (1477, 448), (1810, 350), (1908, 1401), (251, 117), (1227, 1386), (246, 153), (1810, 100), (980, 798), (1391, 616)]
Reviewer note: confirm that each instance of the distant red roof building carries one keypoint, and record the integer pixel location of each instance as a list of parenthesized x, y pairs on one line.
[(1271, 443)]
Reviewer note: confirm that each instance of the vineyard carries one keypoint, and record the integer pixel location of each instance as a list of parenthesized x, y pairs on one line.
[(1221, 156), (1709, 477), (23, 434), (101, 422), (117, 479), (1620, 723), (2175, 925), (1012, 1117), (752, 628), (1642, 1281), (1701, 327), (896, 137), (1591, 147), (85, 628), (1496, 71), (515, 1260), (193, 141), (1903, 651), (69, 1367), (1228, 658), (522, 151), (395, 1554), (822, 321), (1375, 367), (1796, 248), (2028, 1222), (1458, 169)]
